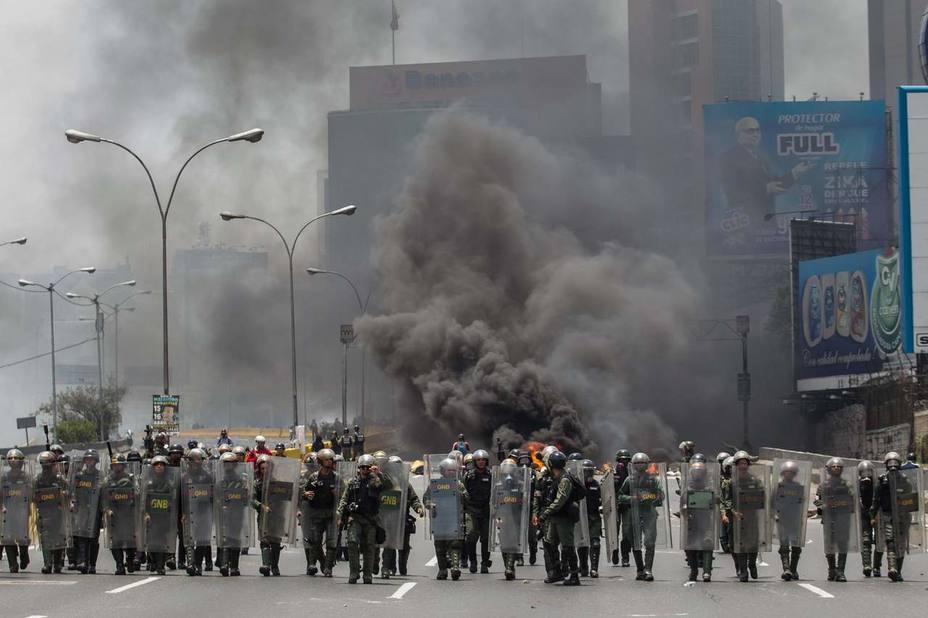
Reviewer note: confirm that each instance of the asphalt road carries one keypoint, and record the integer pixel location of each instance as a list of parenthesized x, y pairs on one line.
[(615, 593)]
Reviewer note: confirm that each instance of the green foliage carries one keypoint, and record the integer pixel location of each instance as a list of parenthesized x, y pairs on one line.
[(82, 406), (76, 430)]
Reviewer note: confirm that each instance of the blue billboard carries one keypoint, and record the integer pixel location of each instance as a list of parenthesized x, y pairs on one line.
[(767, 163), (849, 318)]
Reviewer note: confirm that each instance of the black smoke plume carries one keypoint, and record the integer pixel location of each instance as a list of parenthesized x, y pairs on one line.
[(499, 324)]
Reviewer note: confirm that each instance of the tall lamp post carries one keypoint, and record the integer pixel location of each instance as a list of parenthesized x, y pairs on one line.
[(116, 309), (50, 288), (76, 137), (362, 307), (17, 241), (95, 300), (289, 247)]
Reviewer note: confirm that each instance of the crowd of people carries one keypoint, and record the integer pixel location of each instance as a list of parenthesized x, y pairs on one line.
[(194, 508)]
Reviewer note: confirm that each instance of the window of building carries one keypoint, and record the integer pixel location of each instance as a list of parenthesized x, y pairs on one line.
[(685, 27), (686, 55)]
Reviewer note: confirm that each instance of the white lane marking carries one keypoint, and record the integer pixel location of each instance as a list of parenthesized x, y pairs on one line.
[(816, 590), (141, 582), (402, 590), (37, 616), (37, 582), (432, 562)]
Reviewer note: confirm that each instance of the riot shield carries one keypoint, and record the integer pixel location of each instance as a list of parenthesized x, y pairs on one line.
[(751, 529), (393, 502), (85, 480), (281, 489), (233, 483), (840, 506), (16, 497), (346, 470), (510, 510), (789, 501), (50, 495), (582, 527), (121, 502), (197, 502), (158, 513), (443, 503), (908, 510), (650, 518), (610, 516), (699, 507)]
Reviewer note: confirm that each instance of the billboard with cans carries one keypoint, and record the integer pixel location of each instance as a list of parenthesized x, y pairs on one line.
[(850, 318), (767, 163)]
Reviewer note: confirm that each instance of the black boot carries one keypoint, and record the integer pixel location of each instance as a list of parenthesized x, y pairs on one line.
[(794, 562), (707, 559), (11, 558), (832, 571), (572, 565), (839, 574), (615, 557), (583, 556), (265, 568), (741, 566), (752, 564), (639, 564), (275, 559), (877, 563), (310, 562), (648, 564), (594, 562), (118, 557), (899, 560), (131, 565), (784, 560), (233, 558), (626, 548), (403, 560)]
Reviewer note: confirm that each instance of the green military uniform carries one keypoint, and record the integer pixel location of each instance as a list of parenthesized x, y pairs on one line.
[(390, 555), (317, 519), (357, 511), (648, 496), (540, 500), (448, 551), (559, 518)]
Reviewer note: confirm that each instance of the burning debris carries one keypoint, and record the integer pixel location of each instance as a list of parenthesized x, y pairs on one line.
[(501, 326)]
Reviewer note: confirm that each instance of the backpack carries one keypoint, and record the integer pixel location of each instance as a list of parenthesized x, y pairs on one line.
[(578, 492)]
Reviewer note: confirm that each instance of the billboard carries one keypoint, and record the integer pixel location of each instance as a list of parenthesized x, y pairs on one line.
[(165, 413), (767, 163), (850, 317), (913, 211)]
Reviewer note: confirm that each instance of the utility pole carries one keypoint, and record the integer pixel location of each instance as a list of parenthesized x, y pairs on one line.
[(740, 327)]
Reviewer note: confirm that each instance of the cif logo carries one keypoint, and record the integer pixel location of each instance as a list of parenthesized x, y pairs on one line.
[(886, 304), (807, 144)]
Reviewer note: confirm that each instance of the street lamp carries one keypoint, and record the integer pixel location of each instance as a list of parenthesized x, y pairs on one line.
[(95, 299), (17, 241), (116, 309), (362, 306), (76, 137), (50, 288), (289, 247)]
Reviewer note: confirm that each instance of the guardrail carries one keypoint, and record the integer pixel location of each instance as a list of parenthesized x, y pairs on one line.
[(34, 449)]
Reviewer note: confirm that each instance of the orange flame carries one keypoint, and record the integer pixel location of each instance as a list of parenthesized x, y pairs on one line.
[(534, 449)]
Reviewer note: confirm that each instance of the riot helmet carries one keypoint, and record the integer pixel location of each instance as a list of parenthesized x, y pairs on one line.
[(892, 460), (395, 459), (575, 456), (507, 467), (589, 468), (191, 444), (835, 466), (46, 458), (789, 470), (722, 456), (57, 449), (698, 458), (556, 460), (366, 461), (481, 455), (865, 470), (196, 455), (640, 461), (159, 460), (134, 455), (741, 455), (623, 455), (448, 467), (224, 448)]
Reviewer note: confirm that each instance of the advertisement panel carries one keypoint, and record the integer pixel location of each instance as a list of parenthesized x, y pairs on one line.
[(913, 212), (767, 163), (849, 313), (165, 413)]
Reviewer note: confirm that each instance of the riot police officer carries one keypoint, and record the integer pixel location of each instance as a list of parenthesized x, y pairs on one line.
[(623, 458), (540, 502), (524, 460), (120, 499), (560, 515), (197, 512), (724, 528), (447, 549), (234, 502), (358, 439), (85, 484), (589, 556), (346, 445), (869, 555), (642, 494), (50, 495), (317, 519), (412, 504), (357, 511), (687, 450), (16, 490), (478, 484), (891, 489), (747, 530), (157, 513), (789, 506), (175, 456)]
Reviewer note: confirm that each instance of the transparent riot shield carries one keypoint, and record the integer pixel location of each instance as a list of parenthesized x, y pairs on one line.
[(16, 479), (158, 512), (120, 503), (233, 484), (610, 516), (85, 481), (649, 516), (50, 496), (751, 529), (582, 527), (840, 504), (393, 502), (281, 490), (789, 500), (510, 509), (699, 507), (443, 501), (908, 510), (346, 470), (197, 503)]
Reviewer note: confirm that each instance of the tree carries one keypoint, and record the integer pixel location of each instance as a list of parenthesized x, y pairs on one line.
[(82, 407)]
